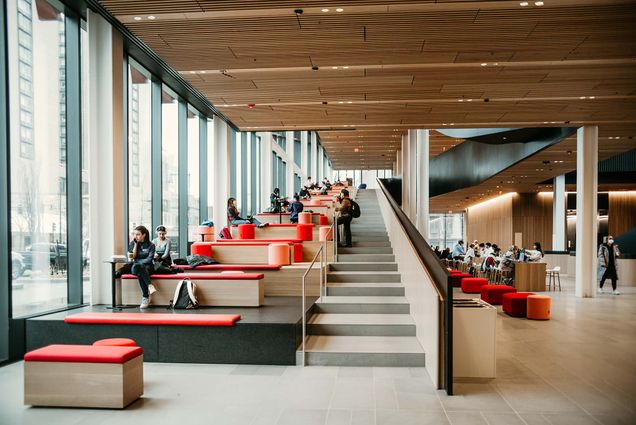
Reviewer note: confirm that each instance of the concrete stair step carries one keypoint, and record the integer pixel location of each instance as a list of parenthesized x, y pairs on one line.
[(379, 351), (363, 305), (366, 250), (361, 237), (361, 289), (364, 276), (367, 266), (366, 244), (362, 325), (352, 258)]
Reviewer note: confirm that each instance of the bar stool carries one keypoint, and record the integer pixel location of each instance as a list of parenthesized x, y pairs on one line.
[(553, 276)]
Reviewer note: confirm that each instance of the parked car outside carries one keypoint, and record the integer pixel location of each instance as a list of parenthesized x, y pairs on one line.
[(17, 265), (38, 253)]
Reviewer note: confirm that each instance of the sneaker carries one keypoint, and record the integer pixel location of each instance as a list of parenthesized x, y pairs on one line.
[(263, 225), (616, 292), (600, 290), (151, 289), (145, 302)]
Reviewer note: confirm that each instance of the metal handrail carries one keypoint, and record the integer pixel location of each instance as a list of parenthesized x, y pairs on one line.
[(323, 278)]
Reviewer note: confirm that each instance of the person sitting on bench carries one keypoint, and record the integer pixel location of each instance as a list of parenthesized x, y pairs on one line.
[(162, 247), (236, 219), (142, 253), (295, 208), (304, 193)]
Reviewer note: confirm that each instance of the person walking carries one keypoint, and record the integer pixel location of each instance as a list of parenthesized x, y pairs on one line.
[(608, 254)]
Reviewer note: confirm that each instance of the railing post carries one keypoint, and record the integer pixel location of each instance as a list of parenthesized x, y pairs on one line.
[(304, 320)]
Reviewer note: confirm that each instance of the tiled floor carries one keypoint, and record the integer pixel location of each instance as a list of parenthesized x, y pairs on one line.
[(578, 368)]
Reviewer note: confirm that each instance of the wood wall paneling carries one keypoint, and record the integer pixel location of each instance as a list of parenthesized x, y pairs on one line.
[(622, 212), (491, 221), (532, 217)]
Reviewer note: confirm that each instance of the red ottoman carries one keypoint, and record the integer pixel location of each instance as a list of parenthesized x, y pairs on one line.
[(457, 278), (324, 220), (116, 342), (201, 248), (247, 231), (493, 294), (514, 303), (305, 232), (472, 285)]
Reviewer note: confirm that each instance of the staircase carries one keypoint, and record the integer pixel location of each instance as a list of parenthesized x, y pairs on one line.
[(364, 320)]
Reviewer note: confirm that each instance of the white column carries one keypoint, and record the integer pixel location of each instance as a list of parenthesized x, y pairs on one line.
[(558, 213), (586, 210), (422, 180), (304, 141), (220, 177), (311, 169), (106, 152), (266, 169)]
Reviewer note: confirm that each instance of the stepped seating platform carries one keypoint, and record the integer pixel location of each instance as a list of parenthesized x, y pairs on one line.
[(268, 335)]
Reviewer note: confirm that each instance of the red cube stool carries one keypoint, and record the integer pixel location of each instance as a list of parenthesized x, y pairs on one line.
[(323, 220), (247, 231), (538, 307), (457, 278), (493, 294), (472, 285), (116, 342), (305, 232), (514, 303), (201, 248)]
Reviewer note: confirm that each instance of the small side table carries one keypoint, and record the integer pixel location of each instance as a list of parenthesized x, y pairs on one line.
[(113, 284)]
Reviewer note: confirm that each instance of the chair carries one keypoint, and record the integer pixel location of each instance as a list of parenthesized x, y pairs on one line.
[(553, 276)]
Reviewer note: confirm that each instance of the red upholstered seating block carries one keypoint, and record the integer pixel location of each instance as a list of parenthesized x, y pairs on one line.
[(201, 248), (250, 241), (493, 294), (202, 276), (153, 319), (83, 354), (298, 252), (457, 278), (246, 231), (514, 303), (305, 232), (324, 220), (472, 285), (116, 342), (235, 267)]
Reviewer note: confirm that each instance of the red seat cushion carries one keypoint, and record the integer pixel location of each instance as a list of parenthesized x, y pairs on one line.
[(83, 354), (514, 303), (472, 285), (201, 248), (153, 319), (493, 294), (237, 267), (116, 342), (457, 278), (202, 276), (262, 241)]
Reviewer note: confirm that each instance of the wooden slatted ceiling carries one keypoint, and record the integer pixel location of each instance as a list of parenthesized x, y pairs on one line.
[(409, 63)]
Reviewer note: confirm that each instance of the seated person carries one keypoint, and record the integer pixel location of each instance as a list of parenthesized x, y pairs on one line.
[(142, 252), (490, 262), (236, 219), (535, 254), (326, 183), (162, 247), (275, 201), (304, 193), (458, 250), (295, 208), (309, 183), (470, 254)]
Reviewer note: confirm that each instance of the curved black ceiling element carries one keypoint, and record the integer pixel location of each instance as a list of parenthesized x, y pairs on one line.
[(500, 136), (470, 163)]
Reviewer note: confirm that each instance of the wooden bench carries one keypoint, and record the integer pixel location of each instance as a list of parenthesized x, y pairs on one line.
[(108, 318), (279, 281), (83, 376), (275, 217), (275, 231), (296, 245), (213, 289)]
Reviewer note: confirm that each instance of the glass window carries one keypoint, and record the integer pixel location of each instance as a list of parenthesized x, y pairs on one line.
[(86, 236), (38, 189), (139, 147), (193, 174), (211, 169), (170, 166), (445, 230)]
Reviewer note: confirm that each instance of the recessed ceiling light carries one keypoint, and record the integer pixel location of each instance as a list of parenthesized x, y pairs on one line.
[(349, 101), (137, 18), (538, 3), (152, 18), (523, 3), (342, 10), (345, 67), (452, 123), (484, 64), (592, 97), (340, 101), (469, 100), (334, 67), (581, 97), (325, 10)]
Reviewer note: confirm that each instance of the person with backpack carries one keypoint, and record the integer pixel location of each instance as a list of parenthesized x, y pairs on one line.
[(295, 208), (142, 253), (345, 217), (235, 218), (355, 208)]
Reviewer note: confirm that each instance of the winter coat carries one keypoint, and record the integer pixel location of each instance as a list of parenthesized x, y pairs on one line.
[(603, 259)]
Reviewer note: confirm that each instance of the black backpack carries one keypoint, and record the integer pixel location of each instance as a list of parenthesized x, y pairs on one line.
[(355, 209), (184, 296)]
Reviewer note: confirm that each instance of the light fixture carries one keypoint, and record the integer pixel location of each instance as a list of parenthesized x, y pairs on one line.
[(469, 100), (334, 67), (349, 101), (581, 97), (152, 18), (137, 18), (341, 102), (592, 97), (342, 10), (345, 67), (538, 3), (325, 10), (523, 3)]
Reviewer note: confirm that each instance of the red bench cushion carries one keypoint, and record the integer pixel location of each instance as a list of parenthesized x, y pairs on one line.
[(257, 241), (83, 354), (153, 319), (203, 276), (276, 224), (237, 267)]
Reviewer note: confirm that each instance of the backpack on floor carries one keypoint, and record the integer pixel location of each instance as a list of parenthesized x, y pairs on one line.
[(184, 296), (355, 209), (225, 233)]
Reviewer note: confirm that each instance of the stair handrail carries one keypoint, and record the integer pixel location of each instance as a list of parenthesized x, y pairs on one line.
[(322, 253)]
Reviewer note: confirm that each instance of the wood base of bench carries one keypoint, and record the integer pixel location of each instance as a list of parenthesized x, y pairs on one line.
[(219, 293), (72, 384)]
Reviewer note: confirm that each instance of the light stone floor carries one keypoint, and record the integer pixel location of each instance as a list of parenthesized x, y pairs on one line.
[(578, 368)]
